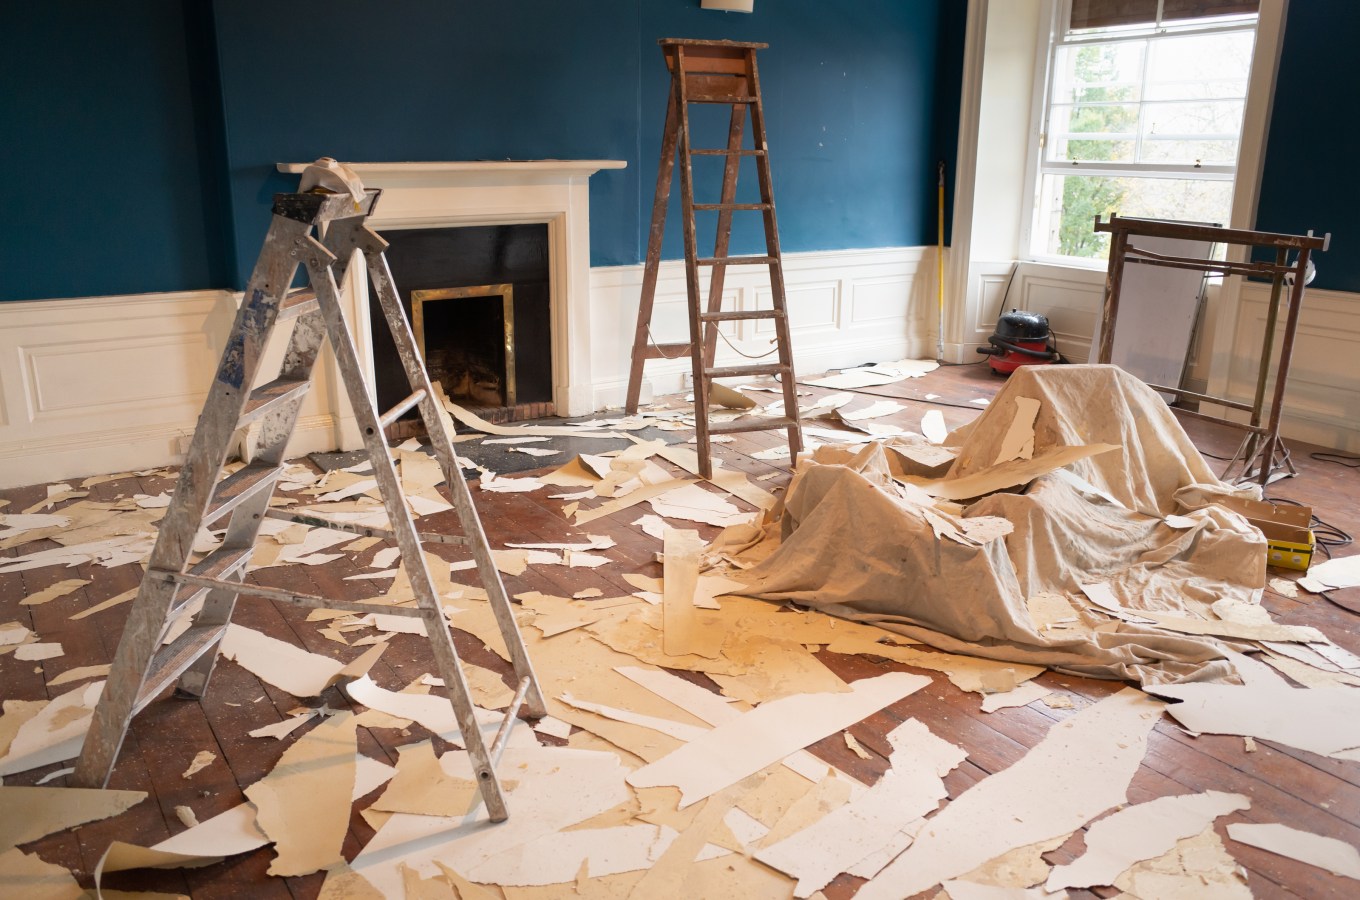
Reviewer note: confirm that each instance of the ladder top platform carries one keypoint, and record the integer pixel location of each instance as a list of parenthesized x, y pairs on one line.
[(322, 206), (717, 45)]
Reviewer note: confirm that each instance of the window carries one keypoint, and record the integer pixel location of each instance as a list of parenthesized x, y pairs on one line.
[(1142, 116)]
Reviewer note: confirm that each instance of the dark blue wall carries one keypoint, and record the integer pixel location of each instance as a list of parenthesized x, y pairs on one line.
[(1311, 179), (194, 102), (107, 112), (850, 105)]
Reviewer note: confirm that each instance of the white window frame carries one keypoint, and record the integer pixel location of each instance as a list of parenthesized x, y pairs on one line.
[(1059, 14)]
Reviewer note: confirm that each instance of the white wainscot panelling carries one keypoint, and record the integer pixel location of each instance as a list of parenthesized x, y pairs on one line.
[(1070, 298), (812, 308), (1322, 399), (845, 308), (105, 384)]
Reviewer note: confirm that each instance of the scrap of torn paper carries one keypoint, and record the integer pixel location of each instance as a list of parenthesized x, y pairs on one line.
[(226, 834), (201, 761), (40, 880), (303, 804), (55, 733), (912, 788), (933, 427), (35, 812), (52, 592), (1081, 768), (1337, 857), (1322, 720), (767, 734), (1196, 867), (1342, 572), (693, 503), (558, 787), (876, 374), (287, 667), (1140, 832), (1018, 441)]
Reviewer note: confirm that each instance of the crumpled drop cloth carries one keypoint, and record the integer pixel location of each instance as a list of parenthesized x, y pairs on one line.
[(855, 542)]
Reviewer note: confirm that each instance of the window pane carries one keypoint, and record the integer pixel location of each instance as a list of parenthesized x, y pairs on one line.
[(1069, 204), (1191, 132), (1112, 129), (1099, 73), (1200, 67)]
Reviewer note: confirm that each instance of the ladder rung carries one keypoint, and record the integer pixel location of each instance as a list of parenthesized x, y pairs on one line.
[(298, 302), (309, 601), (221, 563), (721, 98), (743, 371), (725, 152), (401, 408), (171, 661), (738, 316), (740, 425), (739, 261), (238, 487), (750, 206), (269, 396), (667, 351), (362, 530)]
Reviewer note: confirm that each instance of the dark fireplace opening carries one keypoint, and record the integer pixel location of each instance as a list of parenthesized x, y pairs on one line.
[(478, 301)]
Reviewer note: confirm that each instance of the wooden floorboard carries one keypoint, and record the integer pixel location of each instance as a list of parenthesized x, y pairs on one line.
[(1284, 784)]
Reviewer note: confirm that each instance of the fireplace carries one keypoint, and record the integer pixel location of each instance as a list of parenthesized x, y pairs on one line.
[(554, 193), (470, 348), (479, 301)]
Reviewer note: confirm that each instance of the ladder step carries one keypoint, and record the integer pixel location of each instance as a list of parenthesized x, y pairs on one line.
[(737, 316), (171, 661), (238, 487), (762, 425), (721, 98), (667, 351), (751, 206), (739, 261), (743, 371), (726, 152), (270, 396), (220, 564), (299, 301), (401, 408)]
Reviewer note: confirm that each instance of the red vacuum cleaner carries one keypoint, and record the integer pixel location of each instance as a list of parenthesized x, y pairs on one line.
[(1021, 339)]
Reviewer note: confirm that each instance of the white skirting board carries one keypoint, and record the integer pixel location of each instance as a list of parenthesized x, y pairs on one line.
[(105, 384)]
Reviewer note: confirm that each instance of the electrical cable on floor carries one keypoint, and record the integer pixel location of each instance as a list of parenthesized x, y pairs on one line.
[(1005, 295), (1328, 536), (1340, 459)]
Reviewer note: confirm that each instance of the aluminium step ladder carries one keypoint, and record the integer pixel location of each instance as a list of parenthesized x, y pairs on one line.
[(715, 72), (143, 667)]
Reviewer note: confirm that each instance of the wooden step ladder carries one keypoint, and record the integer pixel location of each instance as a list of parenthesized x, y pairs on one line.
[(715, 72), (317, 230)]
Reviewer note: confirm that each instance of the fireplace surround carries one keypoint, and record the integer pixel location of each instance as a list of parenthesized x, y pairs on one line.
[(425, 195)]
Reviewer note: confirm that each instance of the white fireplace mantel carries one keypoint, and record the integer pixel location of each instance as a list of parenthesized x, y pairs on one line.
[(554, 192)]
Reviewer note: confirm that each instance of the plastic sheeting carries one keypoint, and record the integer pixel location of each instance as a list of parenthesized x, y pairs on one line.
[(861, 538)]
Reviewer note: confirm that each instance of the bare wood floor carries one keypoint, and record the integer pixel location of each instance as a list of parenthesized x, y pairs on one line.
[(1285, 785)]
